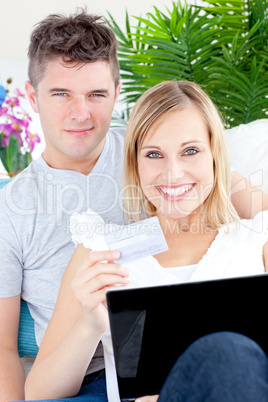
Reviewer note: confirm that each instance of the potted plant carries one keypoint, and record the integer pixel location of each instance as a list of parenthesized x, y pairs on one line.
[(221, 45)]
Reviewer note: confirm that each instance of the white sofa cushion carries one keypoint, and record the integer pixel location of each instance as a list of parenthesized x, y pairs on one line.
[(248, 147)]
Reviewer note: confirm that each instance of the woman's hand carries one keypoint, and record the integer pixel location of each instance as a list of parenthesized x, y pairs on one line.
[(93, 279), (151, 398), (78, 322)]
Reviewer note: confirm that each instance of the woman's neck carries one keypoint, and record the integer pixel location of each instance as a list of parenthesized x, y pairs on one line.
[(188, 240), (193, 223)]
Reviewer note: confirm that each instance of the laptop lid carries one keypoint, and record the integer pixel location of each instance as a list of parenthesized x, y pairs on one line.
[(151, 327)]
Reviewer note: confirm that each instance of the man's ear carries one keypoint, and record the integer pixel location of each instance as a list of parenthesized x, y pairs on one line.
[(31, 95), (117, 92)]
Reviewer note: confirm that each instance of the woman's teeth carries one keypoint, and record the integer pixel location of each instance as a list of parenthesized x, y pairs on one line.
[(175, 192)]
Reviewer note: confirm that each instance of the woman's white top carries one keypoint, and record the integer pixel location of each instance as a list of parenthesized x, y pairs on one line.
[(236, 253)]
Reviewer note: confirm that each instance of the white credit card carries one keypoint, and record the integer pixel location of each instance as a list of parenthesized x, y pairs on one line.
[(137, 240)]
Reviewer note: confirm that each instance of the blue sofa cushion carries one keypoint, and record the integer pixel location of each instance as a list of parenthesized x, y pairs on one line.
[(3, 182), (26, 338)]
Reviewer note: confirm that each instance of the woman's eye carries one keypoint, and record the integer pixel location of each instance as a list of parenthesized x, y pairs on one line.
[(190, 151), (153, 155)]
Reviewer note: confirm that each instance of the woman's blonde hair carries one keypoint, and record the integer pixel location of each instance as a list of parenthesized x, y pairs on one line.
[(150, 108)]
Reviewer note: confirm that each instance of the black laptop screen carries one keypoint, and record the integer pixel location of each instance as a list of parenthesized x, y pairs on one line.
[(151, 327)]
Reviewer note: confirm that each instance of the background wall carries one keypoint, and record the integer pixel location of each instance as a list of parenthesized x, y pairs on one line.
[(18, 17)]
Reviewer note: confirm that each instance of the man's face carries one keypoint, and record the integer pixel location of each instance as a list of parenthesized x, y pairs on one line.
[(75, 104)]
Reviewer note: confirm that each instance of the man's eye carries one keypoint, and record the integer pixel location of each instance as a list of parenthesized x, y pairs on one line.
[(59, 94), (190, 151), (154, 155), (97, 95)]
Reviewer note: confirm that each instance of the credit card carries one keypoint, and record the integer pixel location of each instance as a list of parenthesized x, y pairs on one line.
[(137, 240)]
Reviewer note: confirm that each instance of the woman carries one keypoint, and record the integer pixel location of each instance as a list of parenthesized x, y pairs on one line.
[(176, 168)]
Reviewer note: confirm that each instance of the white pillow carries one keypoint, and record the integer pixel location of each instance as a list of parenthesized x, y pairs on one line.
[(248, 147)]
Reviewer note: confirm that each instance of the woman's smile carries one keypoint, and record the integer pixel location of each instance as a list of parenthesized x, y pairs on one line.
[(175, 193)]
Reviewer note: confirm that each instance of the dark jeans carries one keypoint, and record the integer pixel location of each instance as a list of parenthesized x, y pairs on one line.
[(93, 389), (93, 385), (221, 367)]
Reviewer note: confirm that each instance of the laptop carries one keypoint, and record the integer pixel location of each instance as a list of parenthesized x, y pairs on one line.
[(151, 327)]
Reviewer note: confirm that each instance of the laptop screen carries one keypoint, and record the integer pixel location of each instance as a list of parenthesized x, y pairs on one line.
[(151, 327)]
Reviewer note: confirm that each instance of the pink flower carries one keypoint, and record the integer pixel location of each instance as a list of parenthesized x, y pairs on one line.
[(8, 129), (13, 102), (18, 93), (31, 140), (3, 111), (15, 121), (22, 122), (26, 115)]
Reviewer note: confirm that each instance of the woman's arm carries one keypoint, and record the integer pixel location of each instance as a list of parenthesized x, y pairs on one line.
[(77, 324), (247, 199)]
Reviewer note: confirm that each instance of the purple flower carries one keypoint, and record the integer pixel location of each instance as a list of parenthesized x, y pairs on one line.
[(26, 115), (14, 120), (3, 111), (18, 93), (8, 129), (31, 140), (13, 102)]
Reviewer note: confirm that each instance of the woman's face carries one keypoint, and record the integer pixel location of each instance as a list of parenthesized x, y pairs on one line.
[(175, 163)]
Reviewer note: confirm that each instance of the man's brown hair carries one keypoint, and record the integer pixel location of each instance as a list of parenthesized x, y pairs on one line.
[(81, 38)]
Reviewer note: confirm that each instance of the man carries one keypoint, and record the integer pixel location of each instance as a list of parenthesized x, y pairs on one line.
[(74, 84)]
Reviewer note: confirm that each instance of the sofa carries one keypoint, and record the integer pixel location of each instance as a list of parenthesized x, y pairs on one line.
[(248, 147)]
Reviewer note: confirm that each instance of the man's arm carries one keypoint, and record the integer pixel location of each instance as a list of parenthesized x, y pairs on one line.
[(247, 199), (12, 377), (265, 256)]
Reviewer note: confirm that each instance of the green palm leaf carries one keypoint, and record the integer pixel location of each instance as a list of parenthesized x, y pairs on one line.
[(222, 45)]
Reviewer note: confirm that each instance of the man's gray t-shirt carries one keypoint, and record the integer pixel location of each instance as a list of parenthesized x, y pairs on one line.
[(35, 210)]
